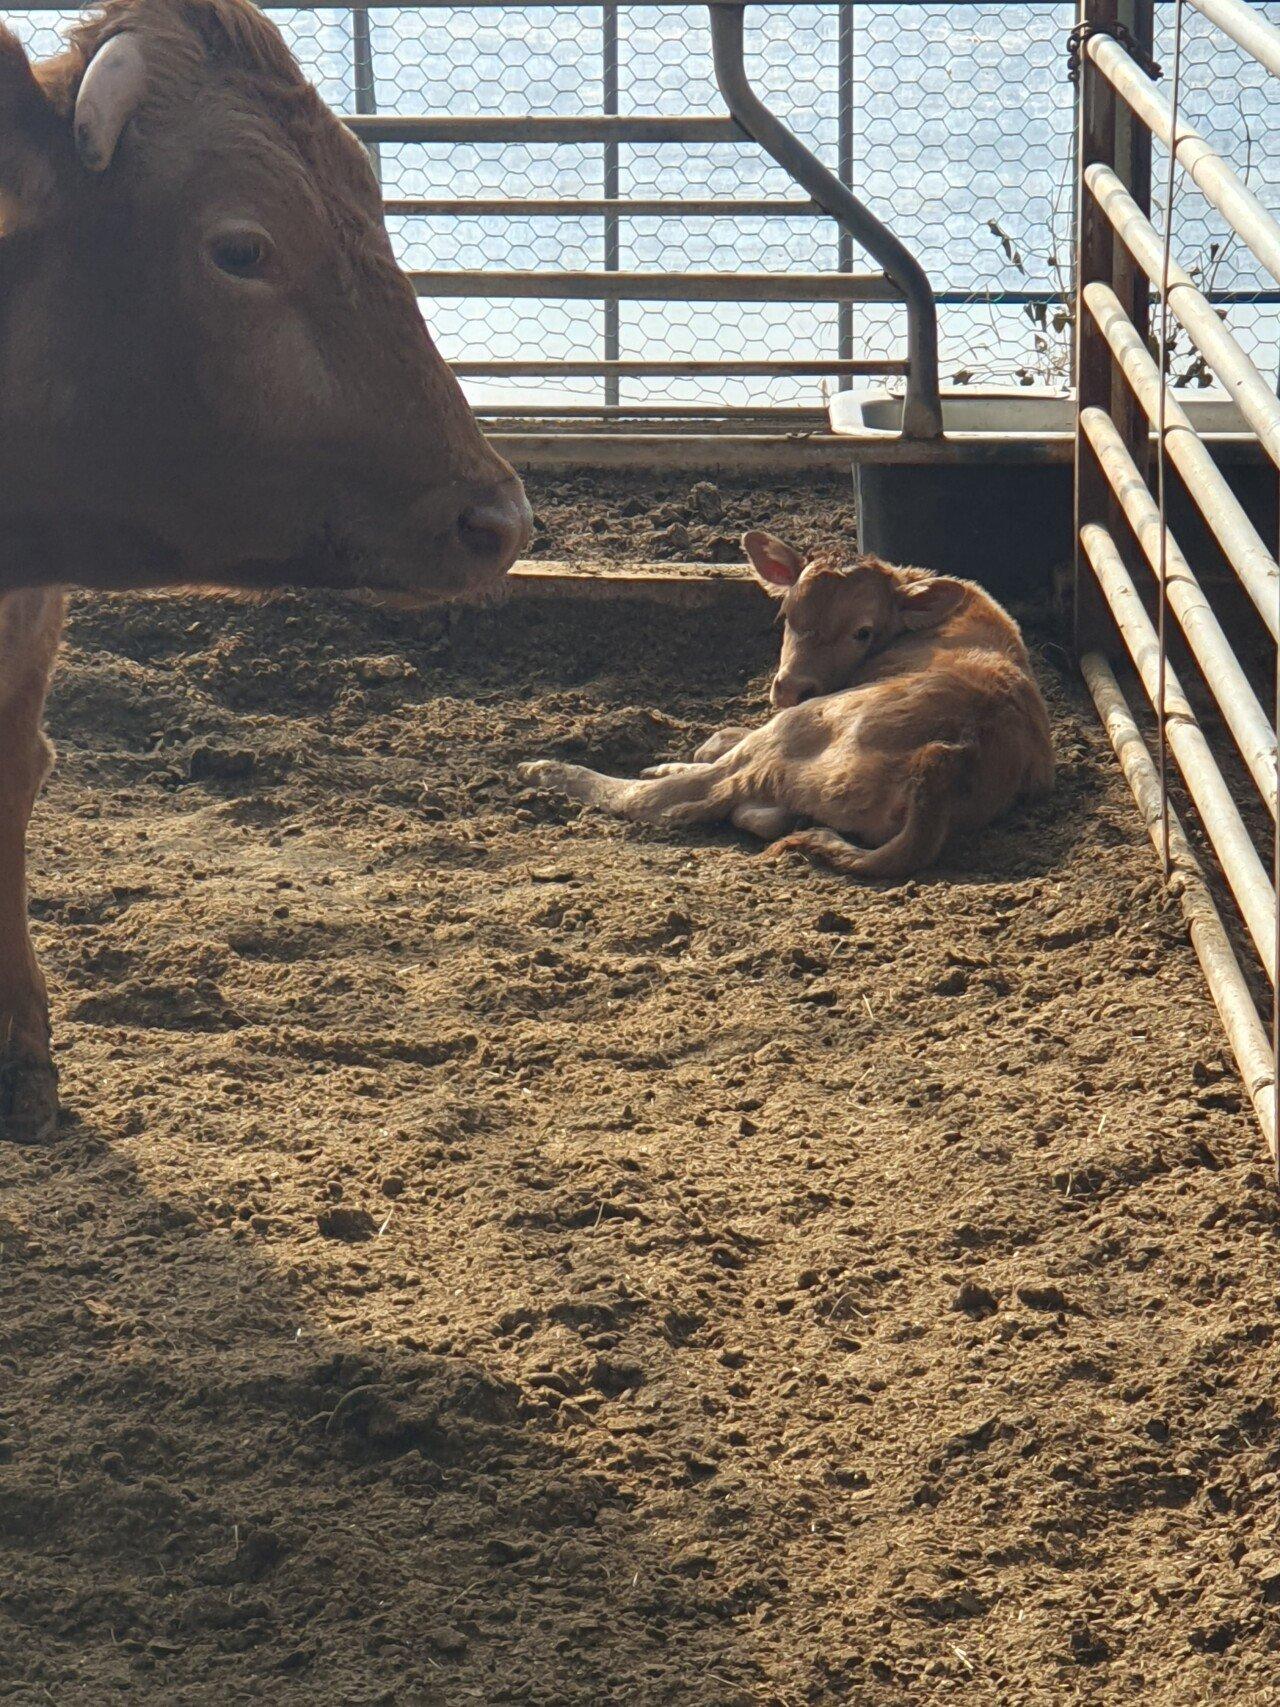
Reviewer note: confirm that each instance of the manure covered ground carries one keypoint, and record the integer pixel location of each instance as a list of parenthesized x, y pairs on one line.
[(498, 1254)]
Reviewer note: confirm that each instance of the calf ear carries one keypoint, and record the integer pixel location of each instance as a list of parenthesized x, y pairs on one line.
[(777, 566), (924, 604), (30, 137)]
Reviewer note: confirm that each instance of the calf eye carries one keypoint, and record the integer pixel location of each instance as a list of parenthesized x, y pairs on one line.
[(242, 254), (864, 633)]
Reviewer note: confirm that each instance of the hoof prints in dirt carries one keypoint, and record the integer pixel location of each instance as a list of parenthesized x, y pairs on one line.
[(500, 1255)]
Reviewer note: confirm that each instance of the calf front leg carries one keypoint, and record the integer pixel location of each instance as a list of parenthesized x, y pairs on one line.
[(717, 745), (30, 623), (698, 794)]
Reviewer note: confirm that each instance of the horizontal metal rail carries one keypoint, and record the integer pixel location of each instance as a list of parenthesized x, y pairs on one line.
[(662, 287), (802, 419), (596, 127), (677, 369), (503, 207), (1259, 39), (1227, 985), (1227, 682), (673, 449), (1219, 813), (1255, 399), (1220, 186), (1223, 512)]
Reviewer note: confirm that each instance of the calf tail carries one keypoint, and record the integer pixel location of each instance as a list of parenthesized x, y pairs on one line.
[(935, 773)]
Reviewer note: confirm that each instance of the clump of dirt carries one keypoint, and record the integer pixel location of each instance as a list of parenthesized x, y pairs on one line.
[(499, 1254)]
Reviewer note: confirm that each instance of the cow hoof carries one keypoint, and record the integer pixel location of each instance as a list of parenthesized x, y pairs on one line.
[(28, 1102)]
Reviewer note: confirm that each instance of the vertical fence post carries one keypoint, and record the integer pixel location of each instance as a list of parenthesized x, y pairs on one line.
[(1133, 167), (362, 77), (844, 170), (1095, 260), (612, 246)]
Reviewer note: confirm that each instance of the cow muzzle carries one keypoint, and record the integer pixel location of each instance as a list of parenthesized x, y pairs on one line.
[(494, 525)]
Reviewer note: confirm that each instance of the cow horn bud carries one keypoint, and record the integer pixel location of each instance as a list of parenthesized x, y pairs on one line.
[(110, 90)]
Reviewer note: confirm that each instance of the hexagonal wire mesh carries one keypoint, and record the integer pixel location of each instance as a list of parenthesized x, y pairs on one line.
[(952, 121)]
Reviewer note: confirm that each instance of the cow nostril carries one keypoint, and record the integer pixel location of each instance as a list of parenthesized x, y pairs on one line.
[(496, 526)]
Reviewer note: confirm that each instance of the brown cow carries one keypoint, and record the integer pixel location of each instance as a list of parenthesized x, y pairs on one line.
[(906, 711), (211, 371)]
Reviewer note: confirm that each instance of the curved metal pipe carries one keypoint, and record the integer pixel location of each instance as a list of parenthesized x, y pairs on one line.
[(922, 407)]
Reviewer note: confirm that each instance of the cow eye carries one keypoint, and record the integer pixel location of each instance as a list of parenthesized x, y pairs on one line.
[(242, 254), (864, 633)]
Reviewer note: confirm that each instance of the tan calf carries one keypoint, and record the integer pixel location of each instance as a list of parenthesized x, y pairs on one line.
[(906, 712)]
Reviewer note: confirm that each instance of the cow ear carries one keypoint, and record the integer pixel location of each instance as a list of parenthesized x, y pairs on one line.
[(928, 602), (776, 564), (31, 139)]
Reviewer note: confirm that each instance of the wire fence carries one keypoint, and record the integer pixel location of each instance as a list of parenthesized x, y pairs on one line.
[(953, 121)]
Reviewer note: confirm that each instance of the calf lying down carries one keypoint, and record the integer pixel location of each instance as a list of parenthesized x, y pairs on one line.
[(905, 712)]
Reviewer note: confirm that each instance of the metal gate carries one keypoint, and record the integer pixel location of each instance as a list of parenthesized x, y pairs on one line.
[(1138, 594)]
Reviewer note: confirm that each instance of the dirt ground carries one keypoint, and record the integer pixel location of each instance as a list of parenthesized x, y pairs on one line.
[(498, 1254)]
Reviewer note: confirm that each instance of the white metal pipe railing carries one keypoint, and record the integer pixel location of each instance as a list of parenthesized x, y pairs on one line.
[(1231, 995), (1219, 813), (1255, 399), (1240, 541), (1216, 181), (1111, 450), (1227, 682), (1259, 39)]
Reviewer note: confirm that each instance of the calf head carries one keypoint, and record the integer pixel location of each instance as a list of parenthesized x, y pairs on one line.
[(837, 615), (211, 366)]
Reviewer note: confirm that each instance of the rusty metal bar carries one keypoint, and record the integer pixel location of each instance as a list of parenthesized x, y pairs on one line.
[(676, 369), (1132, 165), (922, 407), (663, 287), (1259, 39), (609, 171), (537, 127), (1095, 259), (1223, 512), (1247, 721), (1220, 186), (1255, 399), (362, 76), (1245, 1032), (1219, 813)]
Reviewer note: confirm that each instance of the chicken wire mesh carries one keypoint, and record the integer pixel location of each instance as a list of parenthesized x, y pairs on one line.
[(952, 121), (1230, 99)]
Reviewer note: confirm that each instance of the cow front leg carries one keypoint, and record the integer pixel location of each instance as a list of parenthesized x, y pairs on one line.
[(698, 795), (29, 627)]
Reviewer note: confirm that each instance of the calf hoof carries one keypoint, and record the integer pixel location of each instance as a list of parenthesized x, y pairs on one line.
[(28, 1102), (678, 767), (548, 773)]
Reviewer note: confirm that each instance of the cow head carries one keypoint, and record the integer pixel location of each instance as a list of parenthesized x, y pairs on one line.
[(837, 615), (211, 367)]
